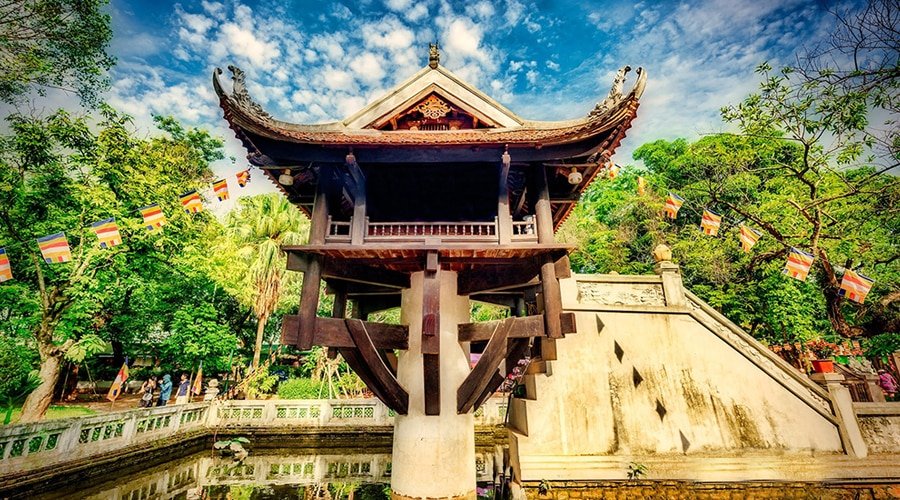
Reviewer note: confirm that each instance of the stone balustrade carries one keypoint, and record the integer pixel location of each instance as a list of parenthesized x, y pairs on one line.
[(33, 445)]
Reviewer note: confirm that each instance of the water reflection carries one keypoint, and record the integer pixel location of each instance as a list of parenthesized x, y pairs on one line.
[(265, 474)]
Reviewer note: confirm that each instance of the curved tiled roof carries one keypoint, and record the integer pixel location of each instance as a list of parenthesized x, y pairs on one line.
[(244, 113)]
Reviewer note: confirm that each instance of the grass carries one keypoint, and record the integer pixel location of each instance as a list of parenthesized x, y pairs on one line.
[(56, 412)]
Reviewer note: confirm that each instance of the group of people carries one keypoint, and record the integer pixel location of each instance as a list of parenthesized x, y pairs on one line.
[(150, 386)]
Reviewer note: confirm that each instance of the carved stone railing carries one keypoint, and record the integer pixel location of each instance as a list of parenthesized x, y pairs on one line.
[(28, 446)]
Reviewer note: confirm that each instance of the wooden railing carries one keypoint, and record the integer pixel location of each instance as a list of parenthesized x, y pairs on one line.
[(340, 231)]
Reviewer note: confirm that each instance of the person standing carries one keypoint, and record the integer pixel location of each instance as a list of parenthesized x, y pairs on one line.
[(147, 389), (888, 384), (181, 397), (165, 390)]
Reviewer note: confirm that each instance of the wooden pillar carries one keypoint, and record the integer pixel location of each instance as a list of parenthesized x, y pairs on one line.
[(543, 214), (358, 222), (552, 299), (504, 218), (309, 293)]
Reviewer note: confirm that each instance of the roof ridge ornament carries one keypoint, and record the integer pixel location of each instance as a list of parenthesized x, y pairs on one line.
[(240, 95), (434, 55), (615, 93)]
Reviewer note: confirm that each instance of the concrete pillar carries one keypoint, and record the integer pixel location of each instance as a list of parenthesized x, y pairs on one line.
[(848, 425), (434, 456), (673, 287)]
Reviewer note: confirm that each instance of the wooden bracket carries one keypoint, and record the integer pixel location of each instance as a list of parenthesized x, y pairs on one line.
[(380, 378), (485, 373)]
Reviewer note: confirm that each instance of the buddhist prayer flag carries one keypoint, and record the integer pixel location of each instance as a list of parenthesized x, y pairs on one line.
[(107, 232), (613, 171), (55, 248), (116, 388), (197, 387), (641, 186), (5, 270), (855, 286), (673, 204), (710, 222), (221, 189), (153, 217), (798, 264), (191, 202), (243, 177), (749, 237)]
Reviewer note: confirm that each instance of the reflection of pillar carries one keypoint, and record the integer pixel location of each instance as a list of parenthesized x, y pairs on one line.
[(434, 455)]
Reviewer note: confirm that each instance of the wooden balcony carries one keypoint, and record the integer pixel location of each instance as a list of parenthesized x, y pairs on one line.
[(408, 232)]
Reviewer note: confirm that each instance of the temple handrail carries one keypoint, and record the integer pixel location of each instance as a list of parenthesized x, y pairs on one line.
[(33, 445)]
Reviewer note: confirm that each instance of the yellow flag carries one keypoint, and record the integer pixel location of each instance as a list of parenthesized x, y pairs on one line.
[(117, 384)]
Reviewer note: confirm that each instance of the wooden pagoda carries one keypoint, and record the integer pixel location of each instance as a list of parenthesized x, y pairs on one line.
[(434, 177)]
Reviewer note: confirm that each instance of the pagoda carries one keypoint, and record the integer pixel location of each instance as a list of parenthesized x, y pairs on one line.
[(427, 198)]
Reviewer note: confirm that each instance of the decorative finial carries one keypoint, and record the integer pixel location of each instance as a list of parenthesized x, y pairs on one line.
[(434, 56), (662, 253)]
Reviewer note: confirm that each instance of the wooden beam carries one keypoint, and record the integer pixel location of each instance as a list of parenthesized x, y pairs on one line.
[(501, 299), (375, 303), (485, 371), (318, 225), (525, 327), (483, 279), (563, 268), (309, 304), (397, 397), (431, 365), (431, 307), (354, 272), (333, 332), (359, 367), (552, 298)]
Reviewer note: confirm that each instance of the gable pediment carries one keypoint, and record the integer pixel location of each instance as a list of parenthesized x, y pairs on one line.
[(467, 105)]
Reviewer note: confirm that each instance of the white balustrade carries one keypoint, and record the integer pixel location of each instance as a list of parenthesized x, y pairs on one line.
[(27, 446)]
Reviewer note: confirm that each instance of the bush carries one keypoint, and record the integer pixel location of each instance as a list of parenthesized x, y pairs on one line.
[(299, 388)]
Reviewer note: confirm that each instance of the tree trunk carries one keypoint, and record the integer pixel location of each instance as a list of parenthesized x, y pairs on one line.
[(257, 350), (38, 401)]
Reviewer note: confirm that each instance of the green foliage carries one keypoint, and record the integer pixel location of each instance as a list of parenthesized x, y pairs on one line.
[(196, 335), (636, 471), (300, 388), (882, 345), (87, 345), (260, 382), (54, 43)]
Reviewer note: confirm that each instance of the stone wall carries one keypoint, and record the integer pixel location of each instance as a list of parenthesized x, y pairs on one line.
[(645, 376), (658, 490), (881, 432)]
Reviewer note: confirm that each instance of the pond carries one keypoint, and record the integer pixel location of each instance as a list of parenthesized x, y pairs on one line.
[(266, 473)]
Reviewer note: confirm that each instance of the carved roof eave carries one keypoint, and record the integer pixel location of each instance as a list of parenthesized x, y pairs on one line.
[(244, 114)]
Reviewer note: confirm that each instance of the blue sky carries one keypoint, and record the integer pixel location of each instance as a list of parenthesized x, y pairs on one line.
[(547, 59)]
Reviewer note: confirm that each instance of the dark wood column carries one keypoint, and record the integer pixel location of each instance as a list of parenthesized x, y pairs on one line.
[(358, 222), (504, 218), (543, 214), (309, 293)]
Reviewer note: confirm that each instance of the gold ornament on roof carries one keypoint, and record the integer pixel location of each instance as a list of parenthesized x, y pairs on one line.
[(433, 108), (434, 56)]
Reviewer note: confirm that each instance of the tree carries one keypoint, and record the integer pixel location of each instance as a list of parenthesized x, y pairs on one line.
[(59, 175), (259, 228), (821, 109), (54, 43)]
